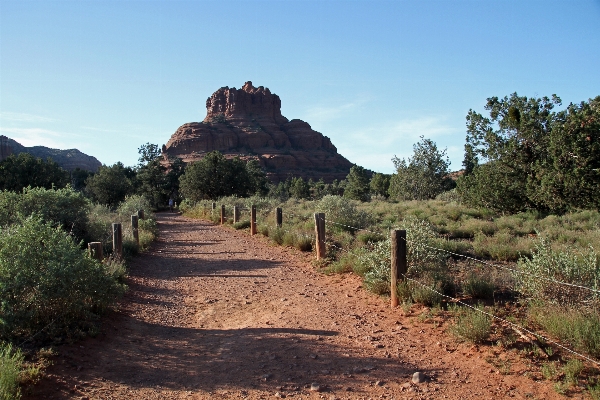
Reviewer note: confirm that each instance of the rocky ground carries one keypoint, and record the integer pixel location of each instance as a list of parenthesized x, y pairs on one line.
[(215, 313)]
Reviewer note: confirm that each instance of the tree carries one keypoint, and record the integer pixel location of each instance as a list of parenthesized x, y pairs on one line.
[(215, 176), (514, 139), (299, 188), (110, 185), (18, 172), (423, 176), (380, 184), (358, 187)]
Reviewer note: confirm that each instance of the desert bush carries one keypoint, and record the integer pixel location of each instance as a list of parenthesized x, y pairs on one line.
[(132, 204), (48, 283), (478, 286), (369, 237), (342, 211), (472, 325), (546, 264), (245, 225), (11, 361), (577, 326)]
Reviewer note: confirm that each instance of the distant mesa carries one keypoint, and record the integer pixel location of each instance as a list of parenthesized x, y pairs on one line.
[(247, 122), (67, 159)]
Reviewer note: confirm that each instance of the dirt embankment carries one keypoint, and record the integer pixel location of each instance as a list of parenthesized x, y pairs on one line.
[(215, 313)]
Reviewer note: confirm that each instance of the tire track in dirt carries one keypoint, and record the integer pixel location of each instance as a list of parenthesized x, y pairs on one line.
[(215, 313)]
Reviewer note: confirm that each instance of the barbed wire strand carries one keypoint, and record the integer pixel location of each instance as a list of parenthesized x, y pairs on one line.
[(537, 335)]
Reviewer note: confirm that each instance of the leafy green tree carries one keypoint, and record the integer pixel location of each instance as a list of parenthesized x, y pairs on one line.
[(110, 185), (215, 176), (357, 187), (423, 176), (257, 179), (570, 175), (152, 176), (380, 184), (78, 178), (18, 172), (527, 156), (299, 188)]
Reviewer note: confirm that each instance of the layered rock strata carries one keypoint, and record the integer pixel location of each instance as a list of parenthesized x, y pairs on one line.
[(247, 122)]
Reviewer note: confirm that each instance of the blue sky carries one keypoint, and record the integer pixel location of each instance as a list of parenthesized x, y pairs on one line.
[(108, 76)]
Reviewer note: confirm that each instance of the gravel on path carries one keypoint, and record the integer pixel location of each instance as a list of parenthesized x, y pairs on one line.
[(216, 313)]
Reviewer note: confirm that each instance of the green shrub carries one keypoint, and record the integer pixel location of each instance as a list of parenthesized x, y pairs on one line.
[(132, 204), (369, 237), (423, 294), (245, 225), (48, 283), (579, 327), (478, 286), (579, 268), (303, 243), (276, 235), (342, 210), (472, 325), (11, 362), (572, 370)]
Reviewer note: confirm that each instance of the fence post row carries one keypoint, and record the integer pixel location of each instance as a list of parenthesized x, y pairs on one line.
[(279, 217), (320, 234), (222, 214), (253, 220), (95, 250), (134, 229), (117, 240), (236, 214), (399, 264)]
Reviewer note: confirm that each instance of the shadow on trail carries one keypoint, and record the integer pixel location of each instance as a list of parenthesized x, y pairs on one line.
[(236, 359)]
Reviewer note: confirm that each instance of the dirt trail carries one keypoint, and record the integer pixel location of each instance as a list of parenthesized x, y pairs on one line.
[(215, 313)]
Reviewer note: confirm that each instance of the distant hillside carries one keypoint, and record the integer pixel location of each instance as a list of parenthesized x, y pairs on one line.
[(68, 159)]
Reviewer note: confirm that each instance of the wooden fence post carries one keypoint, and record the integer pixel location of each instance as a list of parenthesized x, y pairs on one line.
[(320, 234), (95, 250), (134, 229), (399, 262), (279, 217), (117, 240), (222, 214), (140, 214), (253, 220), (236, 214)]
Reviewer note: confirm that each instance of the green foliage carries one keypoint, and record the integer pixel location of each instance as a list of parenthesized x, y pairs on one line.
[(574, 325), (472, 325), (243, 225), (66, 208), (533, 157), (18, 172), (110, 185), (380, 185), (11, 362), (357, 186), (47, 282), (299, 189), (571, 267), (342, 211), (572, 369), (478, 286), (423, 176), (155, 181), (216, 176)]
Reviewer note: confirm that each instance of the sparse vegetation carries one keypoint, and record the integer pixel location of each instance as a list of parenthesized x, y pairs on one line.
[(472, 325)]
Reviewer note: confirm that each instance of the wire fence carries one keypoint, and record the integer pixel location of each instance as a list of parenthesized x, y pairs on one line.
[(514, 272)]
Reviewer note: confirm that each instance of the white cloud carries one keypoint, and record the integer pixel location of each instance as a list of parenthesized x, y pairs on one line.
[(23, 117), (34, 136), (323, 113), (373, 147)]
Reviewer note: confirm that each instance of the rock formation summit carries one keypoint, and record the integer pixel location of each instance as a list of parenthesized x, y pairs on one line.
[(247, 122)]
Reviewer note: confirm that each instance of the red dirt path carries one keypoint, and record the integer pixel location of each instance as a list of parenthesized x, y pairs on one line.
[(215, 313)]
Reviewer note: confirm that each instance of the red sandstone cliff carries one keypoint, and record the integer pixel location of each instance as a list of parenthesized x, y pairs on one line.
[(247, 122)]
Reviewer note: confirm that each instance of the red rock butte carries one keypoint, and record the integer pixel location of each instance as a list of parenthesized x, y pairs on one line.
[(247, 123)]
